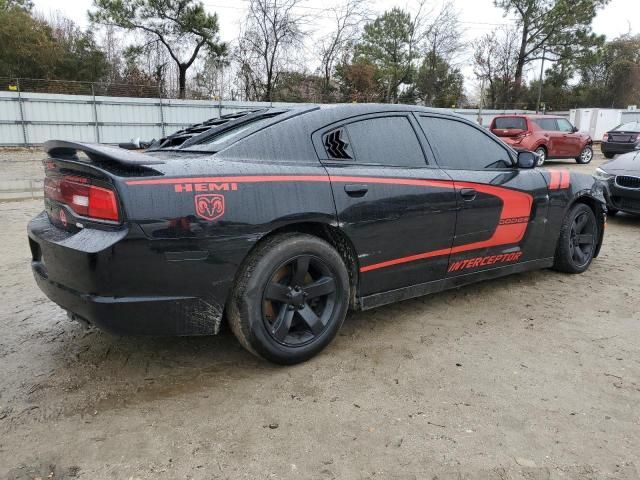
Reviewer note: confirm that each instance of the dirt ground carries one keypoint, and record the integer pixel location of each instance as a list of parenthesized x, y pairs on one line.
[(533, 376)]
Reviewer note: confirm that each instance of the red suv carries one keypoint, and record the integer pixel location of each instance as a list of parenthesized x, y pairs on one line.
[(548, 136)]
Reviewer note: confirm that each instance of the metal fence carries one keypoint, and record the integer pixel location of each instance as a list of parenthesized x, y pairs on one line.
[(32, 112)]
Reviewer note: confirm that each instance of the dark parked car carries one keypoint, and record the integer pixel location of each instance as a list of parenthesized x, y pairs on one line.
[(282, 220), (547, 135), (622, 139), (621, 181)]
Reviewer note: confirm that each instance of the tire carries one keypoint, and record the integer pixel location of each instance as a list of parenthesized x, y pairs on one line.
[(578, 240), (542, 156), (609, 155), (585, 156), (612, 212), (278, 322)]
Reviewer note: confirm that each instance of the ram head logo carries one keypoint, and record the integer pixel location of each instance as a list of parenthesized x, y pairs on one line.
[(210, 206)]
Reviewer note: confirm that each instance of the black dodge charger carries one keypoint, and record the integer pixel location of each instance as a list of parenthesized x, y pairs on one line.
[(279, 221)]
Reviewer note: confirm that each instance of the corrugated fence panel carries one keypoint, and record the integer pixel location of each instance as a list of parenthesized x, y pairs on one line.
[(41, 107), (180, 113), (121, 119), (120, 133), (38, 133), (133, 111), (9, 107)]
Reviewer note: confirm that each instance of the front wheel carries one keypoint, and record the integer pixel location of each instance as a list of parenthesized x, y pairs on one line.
[(585, 156), (578, 240), (609, 155), (290, 298)]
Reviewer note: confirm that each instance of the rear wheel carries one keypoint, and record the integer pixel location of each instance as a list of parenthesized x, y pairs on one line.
[(290, 298), (542, 156), (586, 155), (612, 212), (578, 240)]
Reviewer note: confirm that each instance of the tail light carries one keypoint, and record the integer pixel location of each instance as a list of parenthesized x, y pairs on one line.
[(525, 134), (82, 197), (605, 137)]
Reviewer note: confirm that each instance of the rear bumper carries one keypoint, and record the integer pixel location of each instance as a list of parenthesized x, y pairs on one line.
[(58, 261), (615, 148), (131, 315)]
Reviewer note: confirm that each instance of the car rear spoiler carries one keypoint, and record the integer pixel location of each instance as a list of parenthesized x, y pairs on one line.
[(97, 152)]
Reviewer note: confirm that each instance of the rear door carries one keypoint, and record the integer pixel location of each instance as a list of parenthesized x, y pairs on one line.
[(552, 137), (395, 205), (501, 209)]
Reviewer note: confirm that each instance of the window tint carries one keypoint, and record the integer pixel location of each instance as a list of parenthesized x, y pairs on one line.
[(564, 125), (386, 141), (511, 123), (628, 127), (546, 123), (459, 145)]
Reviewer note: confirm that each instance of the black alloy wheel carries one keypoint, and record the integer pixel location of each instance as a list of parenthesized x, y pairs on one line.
[(299, 300), (578, 241), (290, 298), (582, 240)]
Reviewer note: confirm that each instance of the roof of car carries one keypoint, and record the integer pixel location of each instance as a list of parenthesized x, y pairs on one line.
[(315, 115), (527, 115)]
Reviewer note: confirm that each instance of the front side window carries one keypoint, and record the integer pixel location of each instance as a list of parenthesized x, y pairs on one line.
[(389, 141), (462, 146), (564, 125)]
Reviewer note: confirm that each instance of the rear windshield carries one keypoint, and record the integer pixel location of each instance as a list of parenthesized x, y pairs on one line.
[(229, 134), (213, 142), (510, 123), (628, 127)]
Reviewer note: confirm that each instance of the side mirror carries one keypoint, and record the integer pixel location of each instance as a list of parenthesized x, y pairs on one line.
[(574, 129), (527, 159)]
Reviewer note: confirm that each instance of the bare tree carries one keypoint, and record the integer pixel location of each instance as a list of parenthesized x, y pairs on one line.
[(347, 18), (495, 61), (442, 34), (271, 33)]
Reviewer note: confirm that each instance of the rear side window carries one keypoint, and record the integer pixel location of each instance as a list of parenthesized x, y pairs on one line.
[(546, 123), (389, 141), (462, 146), (510, 123)]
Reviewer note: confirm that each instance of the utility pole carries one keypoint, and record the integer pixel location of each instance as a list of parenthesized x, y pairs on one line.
[(481, 102), (544, 53)]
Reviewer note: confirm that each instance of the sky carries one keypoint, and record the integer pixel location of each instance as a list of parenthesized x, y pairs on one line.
[(477, 17)]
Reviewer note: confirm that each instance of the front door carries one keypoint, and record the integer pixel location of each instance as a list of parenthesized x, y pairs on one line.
[(501, 209), (571, 141), (397, 208)]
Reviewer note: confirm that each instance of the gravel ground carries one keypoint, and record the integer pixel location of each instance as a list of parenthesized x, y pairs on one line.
[(21, 164), (533, 376)]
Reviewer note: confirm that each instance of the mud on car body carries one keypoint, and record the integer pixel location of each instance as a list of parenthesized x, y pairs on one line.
[(281, 220)]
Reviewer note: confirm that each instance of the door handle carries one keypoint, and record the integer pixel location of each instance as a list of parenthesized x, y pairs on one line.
[(468, 194), (356, 189)]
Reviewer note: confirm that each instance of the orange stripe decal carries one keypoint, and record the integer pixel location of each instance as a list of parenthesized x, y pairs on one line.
[(559, 179), (515, 205)]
